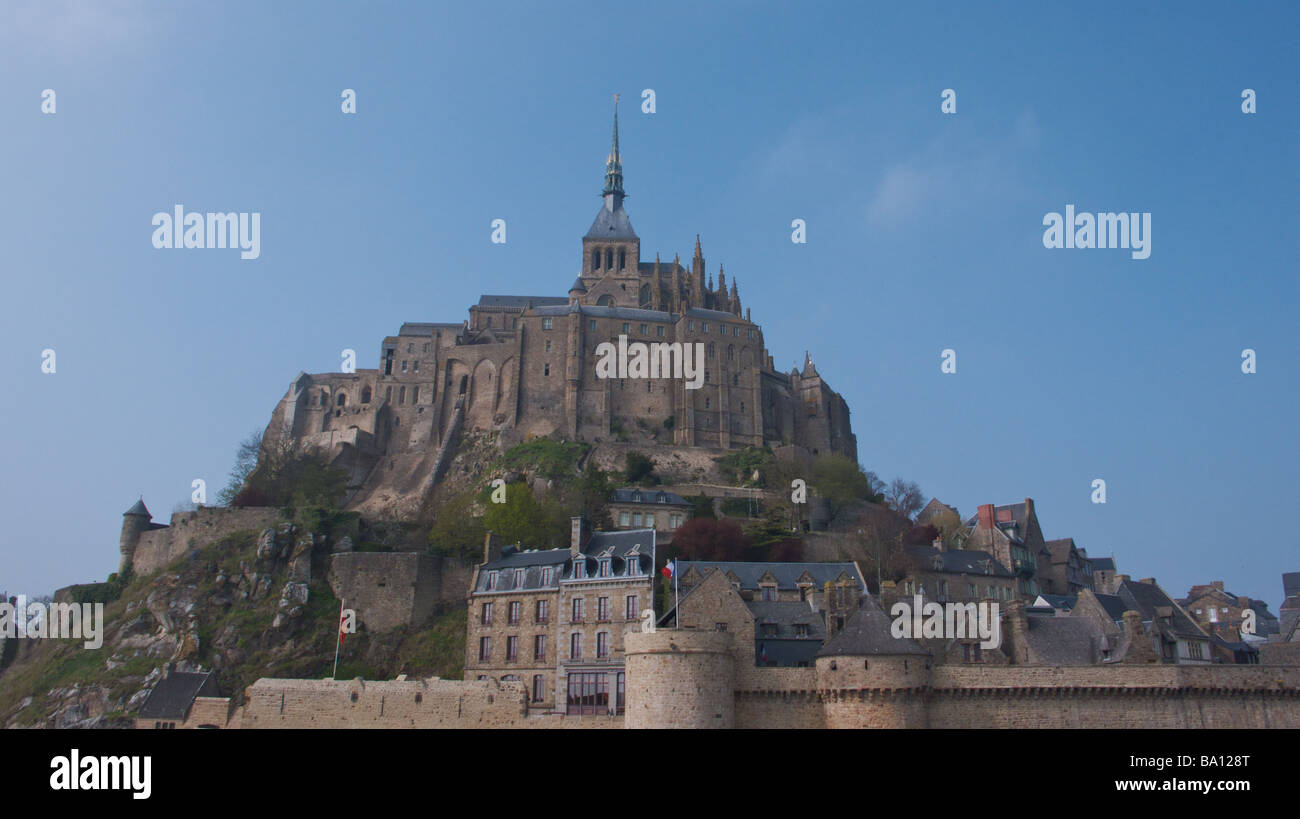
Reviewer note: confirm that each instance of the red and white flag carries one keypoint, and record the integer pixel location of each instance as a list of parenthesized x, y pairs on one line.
[(670, 569)]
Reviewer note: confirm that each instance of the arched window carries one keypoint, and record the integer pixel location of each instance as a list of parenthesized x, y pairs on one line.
[(365, 395), (464, 383), (609, 259), (605, 301), (342, 399), (595, 260), (644, 297), (622, 259)]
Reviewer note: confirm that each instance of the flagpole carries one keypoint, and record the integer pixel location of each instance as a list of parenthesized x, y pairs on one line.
[(677, 597), (338, 639)]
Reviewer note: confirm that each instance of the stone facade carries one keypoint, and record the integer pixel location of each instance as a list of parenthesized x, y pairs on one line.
[(555, 620), (392, 589), (526, 366)]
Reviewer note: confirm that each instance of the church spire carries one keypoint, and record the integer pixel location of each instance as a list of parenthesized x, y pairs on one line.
[(613, 191)]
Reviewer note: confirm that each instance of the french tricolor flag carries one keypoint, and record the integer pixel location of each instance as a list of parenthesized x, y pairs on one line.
[(670, 569)]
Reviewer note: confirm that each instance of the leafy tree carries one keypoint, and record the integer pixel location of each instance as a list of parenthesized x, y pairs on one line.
[(245, 463), (922, 535), (709, 539), (701, 506), (456, 531), (640, 470), (521, 519), (951, 528), (839, 479)]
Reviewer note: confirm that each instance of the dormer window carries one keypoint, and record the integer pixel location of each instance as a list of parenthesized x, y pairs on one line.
[(579, 569), (548, 576), (605, 568), (519, 578), (633, 565), (492, 581)]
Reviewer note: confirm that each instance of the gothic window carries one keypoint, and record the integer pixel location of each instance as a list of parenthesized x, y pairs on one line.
[(644, 297), (343, 399), (622, 259), (609, 259), (365, 395), (401, 395), (595, 260)]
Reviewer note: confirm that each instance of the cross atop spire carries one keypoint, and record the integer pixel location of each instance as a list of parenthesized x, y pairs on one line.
[(613, 191)]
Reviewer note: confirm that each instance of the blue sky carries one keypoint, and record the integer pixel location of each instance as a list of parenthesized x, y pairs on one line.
[(924, 233)]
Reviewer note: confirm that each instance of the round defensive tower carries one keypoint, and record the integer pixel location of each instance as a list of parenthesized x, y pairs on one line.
[(870, 679), (135, 522), (679, 678)]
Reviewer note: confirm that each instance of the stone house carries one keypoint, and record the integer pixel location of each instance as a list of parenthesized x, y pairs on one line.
[(636, 508), (1011, 534), (554, 619), (1221, 613)]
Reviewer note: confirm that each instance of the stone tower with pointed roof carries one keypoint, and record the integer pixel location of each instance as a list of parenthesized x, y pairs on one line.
[(135, 521), (526, 366)]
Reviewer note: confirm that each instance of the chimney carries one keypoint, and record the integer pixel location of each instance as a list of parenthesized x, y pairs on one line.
[(1018, 626), (986, 516), (1029, 509), (1218, 584), (491, 547), (1243, 602), (1120, 579), (938, 543), (575, 535), (1150, 581)]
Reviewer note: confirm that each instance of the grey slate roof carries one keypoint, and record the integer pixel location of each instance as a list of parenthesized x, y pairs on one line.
[(1063, 640), (867, 632), (1104, 564), (1290, 584), (637, 495), (959, 561), (1114, 606), (1061, 601), (425, 328), (137, 508), (578, 285), (786, 574), (613, 224), (719, 315), (172, 696), (784, 616), (1145, 598), (520, 301), (619, 546), (605, 312)]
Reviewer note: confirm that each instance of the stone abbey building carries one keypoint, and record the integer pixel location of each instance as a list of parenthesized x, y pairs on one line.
[(526, 365)]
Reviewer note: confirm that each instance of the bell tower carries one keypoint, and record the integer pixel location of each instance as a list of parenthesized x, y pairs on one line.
[(611, 250)]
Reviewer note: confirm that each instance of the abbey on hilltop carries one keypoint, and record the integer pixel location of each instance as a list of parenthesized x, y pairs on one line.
[(525, 365)]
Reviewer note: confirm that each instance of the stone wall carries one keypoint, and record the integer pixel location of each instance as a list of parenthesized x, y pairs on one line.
[(400, 703), (392, 589), (157, 548), (1164, 696)]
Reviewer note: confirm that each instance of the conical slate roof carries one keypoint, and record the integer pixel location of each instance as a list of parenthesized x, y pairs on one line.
[(578, 286), (867, 632), (138, 509)]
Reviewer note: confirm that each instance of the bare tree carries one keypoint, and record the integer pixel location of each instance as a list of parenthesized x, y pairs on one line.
[(905, 497)]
